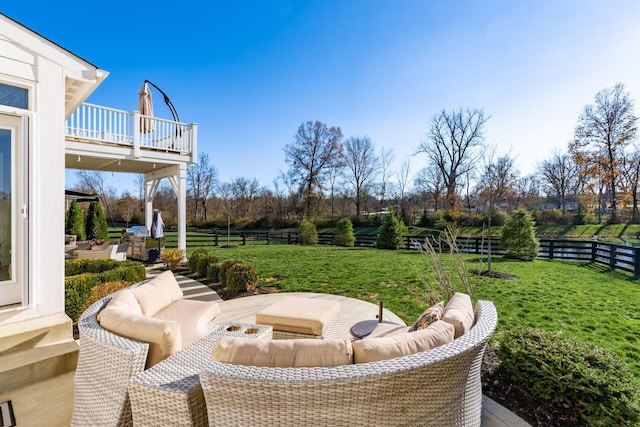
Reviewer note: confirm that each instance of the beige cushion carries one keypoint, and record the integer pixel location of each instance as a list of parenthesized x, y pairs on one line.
[(283, 353), (125, 300), (157, 293), (389, 347), (192, 316), (387, 330), (459, 313), (163, 336), (309, 316), (429, 316)]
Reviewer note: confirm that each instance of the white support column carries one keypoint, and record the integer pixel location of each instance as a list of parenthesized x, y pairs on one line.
[(182, 209), (151, 187)]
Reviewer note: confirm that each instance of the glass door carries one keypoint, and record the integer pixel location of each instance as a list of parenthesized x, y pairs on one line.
[(13, 235)]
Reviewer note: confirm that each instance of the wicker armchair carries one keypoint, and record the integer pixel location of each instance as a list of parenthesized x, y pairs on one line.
[(106, 364), (438, 387)]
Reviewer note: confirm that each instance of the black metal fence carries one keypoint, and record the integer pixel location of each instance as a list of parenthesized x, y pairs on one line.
[(622, 257)]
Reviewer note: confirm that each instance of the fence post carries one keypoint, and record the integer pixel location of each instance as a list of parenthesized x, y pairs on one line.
[(268, 237), (612, 256), (636, 261), (594, 251), (550, 249), (244, 238), (215, 238), (289, 238)]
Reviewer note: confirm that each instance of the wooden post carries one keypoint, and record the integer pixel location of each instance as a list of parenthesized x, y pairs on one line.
[(380, 312)]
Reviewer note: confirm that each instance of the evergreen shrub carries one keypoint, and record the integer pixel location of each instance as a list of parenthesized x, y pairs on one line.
[(96, 225), (241, 277), (518, 237), (562, 370), (224, 267), (74, 221), (203, 264), (192, 262), (391, 231), (344, 233), (308, 233)]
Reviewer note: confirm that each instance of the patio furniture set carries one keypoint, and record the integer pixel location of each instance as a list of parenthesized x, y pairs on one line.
[(88, 249), (147, 358)]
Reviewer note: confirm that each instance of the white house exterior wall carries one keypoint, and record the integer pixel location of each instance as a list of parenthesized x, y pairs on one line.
[(26, 59)]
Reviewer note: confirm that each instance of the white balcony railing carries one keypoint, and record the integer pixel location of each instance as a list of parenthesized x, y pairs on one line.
[(93, 123)]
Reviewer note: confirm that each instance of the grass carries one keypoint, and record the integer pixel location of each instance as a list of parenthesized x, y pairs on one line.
[(590, 302)]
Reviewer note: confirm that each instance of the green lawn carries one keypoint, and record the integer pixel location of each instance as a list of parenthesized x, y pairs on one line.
[(590, 302)]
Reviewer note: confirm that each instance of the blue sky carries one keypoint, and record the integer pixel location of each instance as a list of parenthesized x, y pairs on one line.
[(249, 73)]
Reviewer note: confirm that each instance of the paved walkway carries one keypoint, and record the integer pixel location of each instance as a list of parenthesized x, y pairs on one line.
[(352, 311)]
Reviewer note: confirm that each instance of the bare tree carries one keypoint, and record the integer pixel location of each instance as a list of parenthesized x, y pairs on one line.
[(429, 180), (141, 186), (454, 145), (603, 131), (497, 178), (334, 173), (127, 205), (201, 180), (386, 158), (225, 191), (362, 164), (315, 149), (94, 182), (403, 183), (631, 180), (245, 191), (560, 177)]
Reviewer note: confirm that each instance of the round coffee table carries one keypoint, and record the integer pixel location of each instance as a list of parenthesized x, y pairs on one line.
[(365, 327)]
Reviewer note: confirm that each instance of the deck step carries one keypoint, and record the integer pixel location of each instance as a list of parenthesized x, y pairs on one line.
[(23, 368), (42, 331)]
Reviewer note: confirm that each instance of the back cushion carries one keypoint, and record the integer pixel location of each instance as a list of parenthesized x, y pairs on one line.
[(157, 293), (124, 299), (283, 353), (459, 313), (389, 347)]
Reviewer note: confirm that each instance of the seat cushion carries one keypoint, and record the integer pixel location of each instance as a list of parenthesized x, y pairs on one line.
[(389, 347), (283, 353), (157, 293), (192, 315), (387, 330), (459, 313), (301, 315), (163, 336)]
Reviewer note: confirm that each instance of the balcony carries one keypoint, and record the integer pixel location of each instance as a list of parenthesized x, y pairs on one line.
[(106, 139)]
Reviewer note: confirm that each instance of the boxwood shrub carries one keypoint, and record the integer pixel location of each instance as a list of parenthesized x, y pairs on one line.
[(241, 277), (204, 262), (192, 262), (564, 370), (224, 267)]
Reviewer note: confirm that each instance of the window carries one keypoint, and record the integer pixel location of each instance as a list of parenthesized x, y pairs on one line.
[(13, 221), (14, 96)]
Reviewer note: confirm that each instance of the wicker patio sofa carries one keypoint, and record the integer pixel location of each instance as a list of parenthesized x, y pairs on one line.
[(437, 387), (106, 364)]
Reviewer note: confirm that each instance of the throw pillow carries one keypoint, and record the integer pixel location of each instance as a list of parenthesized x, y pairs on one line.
[(431, 315)]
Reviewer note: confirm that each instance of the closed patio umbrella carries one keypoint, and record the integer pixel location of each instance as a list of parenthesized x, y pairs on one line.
[(145, 106), (157, 225)]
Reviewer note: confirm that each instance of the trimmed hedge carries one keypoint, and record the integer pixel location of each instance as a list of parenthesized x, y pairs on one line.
[(224, 267), (78, 286), (204, 262)]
